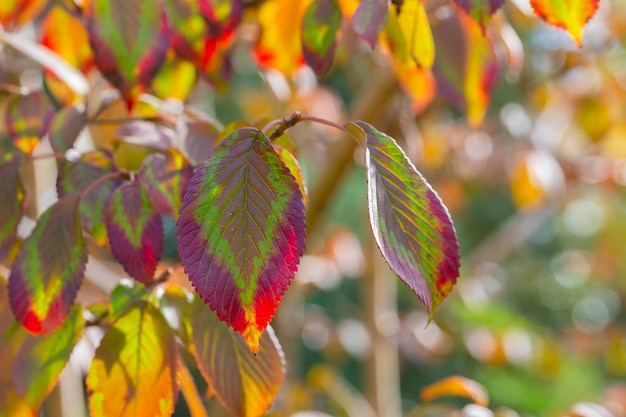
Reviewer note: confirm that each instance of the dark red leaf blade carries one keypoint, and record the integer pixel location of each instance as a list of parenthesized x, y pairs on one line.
[(12, 199), (223, 16), (241, 231), (244, 383), (411, 225), (28, 119), (49, 268), (370, 19), (77, 175), (135, 231), (130, 39), (166, 177), (320, 27)]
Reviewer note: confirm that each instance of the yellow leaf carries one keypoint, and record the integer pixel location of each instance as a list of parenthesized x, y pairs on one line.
[(457, 386), (571, 15), (408, 35)]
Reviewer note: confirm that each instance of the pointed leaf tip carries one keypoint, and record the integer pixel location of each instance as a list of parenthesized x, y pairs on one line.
[(571, 15), (411, 225), (370, 19), (241, 231)]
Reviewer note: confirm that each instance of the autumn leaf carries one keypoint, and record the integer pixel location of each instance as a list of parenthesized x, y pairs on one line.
[(135, 231), (27, 119), (41, 359), (241, 231), (245, 383), (18, 12), (77, 175), (130, 39), (571, 15), (457, 386), (133, 372), (320, 27), (479, 10), (13, 201), (166, 178), (65, 34), (65, 127), (411, 225), (370, 19), (49, 268), (408, 36)]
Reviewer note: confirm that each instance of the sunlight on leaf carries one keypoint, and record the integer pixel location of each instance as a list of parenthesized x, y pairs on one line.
[(571, 15), (241, 231), (320, 27), (456, 386), (49, 268), (133, 372), (479, 10), (66, 35), (245, 383), (408, 35), (18, 12), (28, 119), (410, 223), (135, 231)]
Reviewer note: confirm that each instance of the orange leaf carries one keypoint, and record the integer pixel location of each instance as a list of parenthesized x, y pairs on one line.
[(456, 386), (66, 35), (133, 372), (571, 15), (18, 12)]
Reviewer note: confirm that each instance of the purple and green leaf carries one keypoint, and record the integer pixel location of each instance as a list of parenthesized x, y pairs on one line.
[(130, 39), (49, 268), (166, 178), (320, 26), (223, 16), (77, 175), (65, 128), (246, 384), (480, 10), (27, 119), (12, 196), (411, 225), (241, 231), (41, 359), (135, 231), (370, 18)]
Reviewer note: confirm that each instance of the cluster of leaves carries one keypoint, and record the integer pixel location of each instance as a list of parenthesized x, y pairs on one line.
[(240, 207)]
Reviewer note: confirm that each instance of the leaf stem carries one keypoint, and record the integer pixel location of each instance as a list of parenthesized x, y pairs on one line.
[(106, 177), (325, 122), (56, 155)]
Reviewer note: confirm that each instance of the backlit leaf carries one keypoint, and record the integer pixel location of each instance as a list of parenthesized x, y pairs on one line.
[(18, 12), (222, 15), (241, 231), (571, 15), (49, 269), (409, 37), (294, 167), (12, 198), (27, 119), (175, 80), (40, 360), (466, 66), (78, 175), (66, 35), (65, 127), (320, 26), (480, 10), (457, 386), (133, 372), (175, 304), (370, 19), (135, 230), (244, 383), (411, 225), (125, 294), (280, 45), (130, 39), (166, 178)]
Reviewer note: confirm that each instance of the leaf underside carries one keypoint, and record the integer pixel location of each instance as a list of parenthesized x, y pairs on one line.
[(410, 223), (241, 231)]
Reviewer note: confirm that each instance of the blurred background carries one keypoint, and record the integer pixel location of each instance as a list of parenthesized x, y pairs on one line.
[(537, 191)]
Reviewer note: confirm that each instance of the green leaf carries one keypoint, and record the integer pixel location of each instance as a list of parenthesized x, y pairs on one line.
[(133, 372), (40, 360), (223, 16), (320, 26), (12, 196), (27, 119), (370, 19), (241, 231), (125, 294), (49, 268), (166, 178), (130, 39), (77, 175), (135, 231), (244, 383), (411, 225)]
